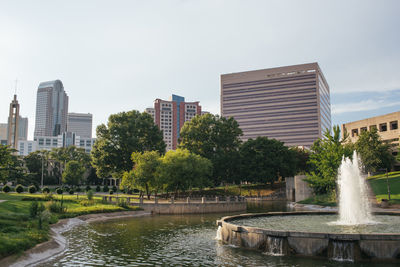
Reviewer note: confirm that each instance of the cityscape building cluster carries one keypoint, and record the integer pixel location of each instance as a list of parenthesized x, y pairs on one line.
[(290, 104)]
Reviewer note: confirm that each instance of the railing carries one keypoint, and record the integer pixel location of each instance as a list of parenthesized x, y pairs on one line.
[(172, 200)]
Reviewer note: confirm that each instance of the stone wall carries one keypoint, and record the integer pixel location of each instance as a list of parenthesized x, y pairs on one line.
[(297, 189), (193, 208)]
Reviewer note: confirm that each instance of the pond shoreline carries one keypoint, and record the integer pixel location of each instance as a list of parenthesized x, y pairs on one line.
[(57, 244)]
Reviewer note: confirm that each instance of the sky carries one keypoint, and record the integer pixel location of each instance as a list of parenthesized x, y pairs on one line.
[(116, 55)]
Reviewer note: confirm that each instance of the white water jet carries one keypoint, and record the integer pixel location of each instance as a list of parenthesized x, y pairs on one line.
[(354, 206), (219, 233)]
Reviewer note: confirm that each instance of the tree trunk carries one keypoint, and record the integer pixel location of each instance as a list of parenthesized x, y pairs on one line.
[(147, 191)]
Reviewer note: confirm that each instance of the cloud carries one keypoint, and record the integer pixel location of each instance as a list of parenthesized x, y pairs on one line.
[(366, 105)]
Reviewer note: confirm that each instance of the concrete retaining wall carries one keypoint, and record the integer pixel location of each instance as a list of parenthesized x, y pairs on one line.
[(361, 246), (297, 189), (193, 208)]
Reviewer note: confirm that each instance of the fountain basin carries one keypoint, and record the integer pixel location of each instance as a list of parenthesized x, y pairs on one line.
[(325, 244)]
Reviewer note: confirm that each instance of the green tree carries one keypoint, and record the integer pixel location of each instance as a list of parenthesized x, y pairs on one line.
[(265, 160), (143, 175), (73, 173), (125, 133), (217, 139), (181, 170), (325, 159), (12, 166), (33, 163), (374, 153)]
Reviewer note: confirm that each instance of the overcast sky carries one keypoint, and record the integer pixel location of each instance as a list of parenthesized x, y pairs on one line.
[(115, 56)]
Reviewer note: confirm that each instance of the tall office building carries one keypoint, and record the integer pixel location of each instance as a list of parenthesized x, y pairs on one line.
[(23, 129), (80, 124), (51, 109), (171, 115), (290, 104), (3, 133), (13, 124)]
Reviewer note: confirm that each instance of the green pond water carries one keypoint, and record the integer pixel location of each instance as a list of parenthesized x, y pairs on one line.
[(169, 241)]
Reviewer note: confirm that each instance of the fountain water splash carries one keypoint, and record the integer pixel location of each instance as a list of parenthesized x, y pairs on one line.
[(274, 246), (219, 233), (343, 251), (354, 206)]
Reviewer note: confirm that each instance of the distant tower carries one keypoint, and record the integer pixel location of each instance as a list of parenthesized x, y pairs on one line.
[(51, 109), (13, 124)]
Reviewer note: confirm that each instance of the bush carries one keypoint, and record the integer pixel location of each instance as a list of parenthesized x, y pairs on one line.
[(59, 191), (123, 204), (111, 192), (46, 190), (114, 188), (86, 202), (88, 188), (66, 188), (78, 189), (105, 189), (89, 195), (71, 191), (35, 209), (6, 189), (32, 189), (98, 188), (19, 189), (56, 207)]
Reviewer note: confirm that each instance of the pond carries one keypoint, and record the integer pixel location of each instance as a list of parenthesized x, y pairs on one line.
[(169, 241)]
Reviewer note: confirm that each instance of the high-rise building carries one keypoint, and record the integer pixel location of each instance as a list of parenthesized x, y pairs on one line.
[(3, 133), (51, 109), (23, 129), (170, 116), (13, 124), (81, 124), (290, 104)]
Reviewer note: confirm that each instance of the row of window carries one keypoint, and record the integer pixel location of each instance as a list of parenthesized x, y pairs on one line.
[(383, 127)]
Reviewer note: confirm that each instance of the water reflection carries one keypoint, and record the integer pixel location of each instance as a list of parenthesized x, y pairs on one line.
[(166, 241)]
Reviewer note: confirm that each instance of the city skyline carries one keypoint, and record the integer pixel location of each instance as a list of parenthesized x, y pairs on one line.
[(173, 48)]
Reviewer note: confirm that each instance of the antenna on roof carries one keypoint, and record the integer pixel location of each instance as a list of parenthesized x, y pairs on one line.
[(15, 89)]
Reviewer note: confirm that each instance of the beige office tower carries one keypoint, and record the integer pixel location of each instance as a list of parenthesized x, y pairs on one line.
[(290, 104)]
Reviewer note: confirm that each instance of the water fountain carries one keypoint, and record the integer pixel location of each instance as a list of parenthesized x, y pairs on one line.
[(351, 235)]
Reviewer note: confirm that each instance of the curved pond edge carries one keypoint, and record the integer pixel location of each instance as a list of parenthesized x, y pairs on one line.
[(57, 243), (336, 246)]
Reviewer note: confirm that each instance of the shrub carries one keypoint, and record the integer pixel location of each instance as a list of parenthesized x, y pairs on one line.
[(32, 189), (123, 204), (98, 188), (78, 189), (6, 189), (88, 188), (48, 196), (66, 188), (46, 190), (59, 191), (56, 207), (114, 188), (19, 189), (105, 189), (111, 192), (86, 202), (35, 209), (71, 191), (89, 195)]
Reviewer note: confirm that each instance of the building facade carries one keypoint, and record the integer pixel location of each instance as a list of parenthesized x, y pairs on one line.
[(170, 116), (23, 128), (387, 126), (25, 147), (51, 109), (81, 124), (65, 139), (290, 104), (3, 133)]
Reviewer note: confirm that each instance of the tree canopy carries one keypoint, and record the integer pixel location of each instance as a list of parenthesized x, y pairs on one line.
[(374, 153), (325, 159), (217, 139), (265, 160), (73, 173), (125, 133)]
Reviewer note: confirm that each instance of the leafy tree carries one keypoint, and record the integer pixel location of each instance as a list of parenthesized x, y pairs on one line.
[(143, 175), (325, 159), (125, 133), (265, 160), (217, 139), (374, 153), (73, 173), (181, 170), (11, 166)]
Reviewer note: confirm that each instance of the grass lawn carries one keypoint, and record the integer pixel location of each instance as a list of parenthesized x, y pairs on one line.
[(243, 190), (19, 232), (379, 186), (322, 200)]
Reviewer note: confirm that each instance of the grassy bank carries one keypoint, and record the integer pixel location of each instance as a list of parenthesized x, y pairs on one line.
[(322, 200), (20, 231), (379, 186)]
